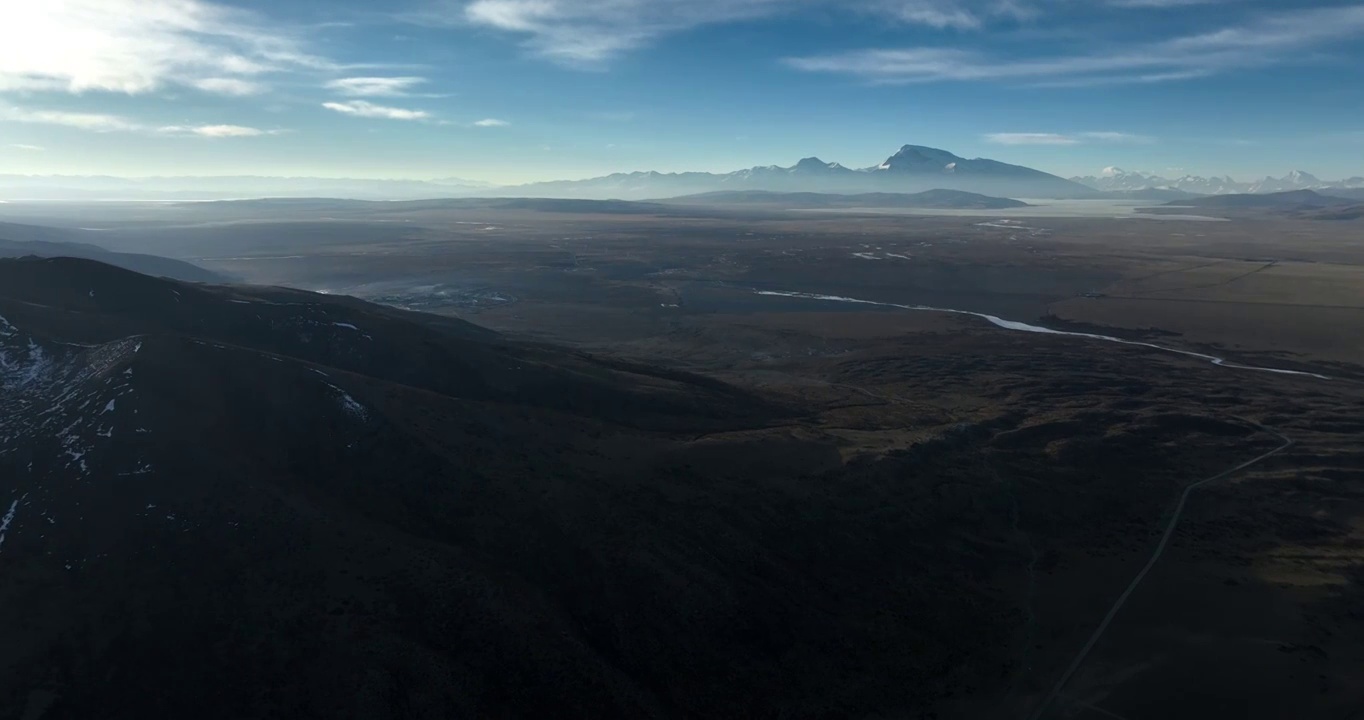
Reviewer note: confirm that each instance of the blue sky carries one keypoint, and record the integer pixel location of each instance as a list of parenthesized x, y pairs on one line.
[(521, 90)]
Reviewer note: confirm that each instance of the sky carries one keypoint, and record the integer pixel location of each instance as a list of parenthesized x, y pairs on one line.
[(511, 91)]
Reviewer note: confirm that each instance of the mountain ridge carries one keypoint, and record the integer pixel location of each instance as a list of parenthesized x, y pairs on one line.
[(929, 199), (912, 168), (900, 172), (46, 242), (1117, 179), (360, 512)]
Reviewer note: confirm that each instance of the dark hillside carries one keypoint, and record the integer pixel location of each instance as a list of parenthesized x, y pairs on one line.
[(236, 502)]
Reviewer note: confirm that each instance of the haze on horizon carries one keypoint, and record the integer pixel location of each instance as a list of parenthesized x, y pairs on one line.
[(514, 91)]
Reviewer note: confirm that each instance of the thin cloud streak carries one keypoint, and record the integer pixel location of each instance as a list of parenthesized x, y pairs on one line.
[(491, 123), (1030, 139), (365, 109), (216, 131), (589, 34), (1268, 40), (229, 86), (1110, 136), (1092, 137), (1163, 4), (375, 86), (106, 123), (93, 122)]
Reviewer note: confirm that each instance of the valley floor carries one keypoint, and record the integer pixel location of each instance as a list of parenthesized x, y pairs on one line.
[(920, 514)]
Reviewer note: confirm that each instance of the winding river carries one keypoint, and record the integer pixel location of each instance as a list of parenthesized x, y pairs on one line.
[(1025, 327)]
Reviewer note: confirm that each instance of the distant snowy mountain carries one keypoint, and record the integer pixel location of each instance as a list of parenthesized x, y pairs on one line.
[(931, 199), (1116, 179), (912, 169)]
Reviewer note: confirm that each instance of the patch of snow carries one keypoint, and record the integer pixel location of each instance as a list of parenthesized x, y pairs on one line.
[(349, 404), (108, 408), (7, 519), (18, 372), (347, 326)]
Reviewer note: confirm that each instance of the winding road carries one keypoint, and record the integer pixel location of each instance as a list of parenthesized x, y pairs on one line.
[(1155, 557)]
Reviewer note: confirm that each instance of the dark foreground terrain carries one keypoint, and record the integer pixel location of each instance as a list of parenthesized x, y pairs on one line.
[(247, 501)]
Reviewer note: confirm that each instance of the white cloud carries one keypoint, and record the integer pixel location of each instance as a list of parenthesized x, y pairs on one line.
[(27, 147), (140, 46), (1110, 136), (1266, 40), (589, 33), (1098, 136), (94, 122), (491, 123), (375, 86), (229, 86), (104, 123), (933, 13), (1146, 4), (1030, 139), (215, 131), (361, 108)]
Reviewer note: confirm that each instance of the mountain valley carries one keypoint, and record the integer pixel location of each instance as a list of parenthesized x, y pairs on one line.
[(648, 464)]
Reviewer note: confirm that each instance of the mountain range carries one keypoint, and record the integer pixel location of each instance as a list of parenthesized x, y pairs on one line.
[(929, 199), (1114, 179), (46, 242), (1304, 204), (912, 169)]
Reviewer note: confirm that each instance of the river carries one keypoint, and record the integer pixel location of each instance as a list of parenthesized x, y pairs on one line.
[(1025, 327)]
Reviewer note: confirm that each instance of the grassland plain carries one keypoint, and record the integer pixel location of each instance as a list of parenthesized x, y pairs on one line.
[(1007, 486)]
